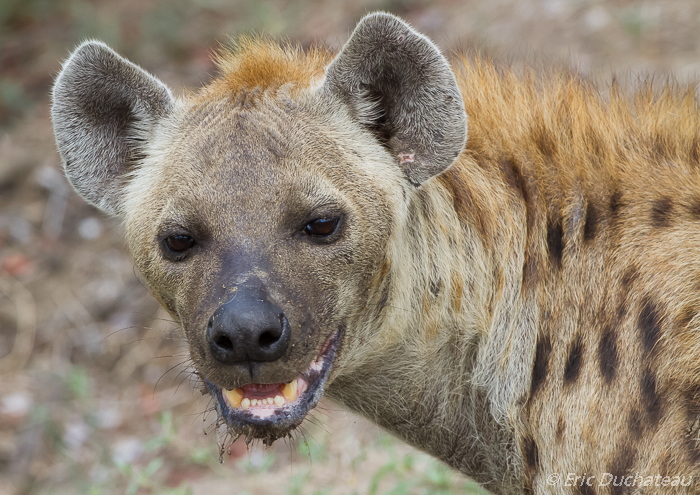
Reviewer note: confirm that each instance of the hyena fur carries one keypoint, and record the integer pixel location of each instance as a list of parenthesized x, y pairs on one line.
[(520, 306)]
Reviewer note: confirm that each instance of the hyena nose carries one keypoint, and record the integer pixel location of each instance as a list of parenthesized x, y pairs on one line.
[(245, 330)]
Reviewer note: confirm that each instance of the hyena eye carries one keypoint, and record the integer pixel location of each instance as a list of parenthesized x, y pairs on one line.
[(322, 227), (179, 243)]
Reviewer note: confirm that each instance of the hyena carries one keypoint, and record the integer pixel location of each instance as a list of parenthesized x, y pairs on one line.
[(522, 304)]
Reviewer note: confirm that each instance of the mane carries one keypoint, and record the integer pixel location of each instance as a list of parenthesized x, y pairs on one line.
[(258, 64), (561, 114)]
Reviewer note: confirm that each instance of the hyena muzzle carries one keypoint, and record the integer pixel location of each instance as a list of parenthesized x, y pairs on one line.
[(521, 306)]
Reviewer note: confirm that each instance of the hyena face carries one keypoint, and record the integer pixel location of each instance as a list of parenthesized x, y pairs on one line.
[(267, 227), (260, 212)]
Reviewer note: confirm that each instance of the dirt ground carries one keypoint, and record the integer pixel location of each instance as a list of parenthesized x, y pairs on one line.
[(94, 395)]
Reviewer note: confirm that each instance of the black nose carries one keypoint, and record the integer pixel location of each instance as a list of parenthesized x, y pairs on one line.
[(245, 330)]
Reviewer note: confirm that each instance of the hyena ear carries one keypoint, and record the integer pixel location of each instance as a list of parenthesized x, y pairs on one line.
[(397, 83), (104, 109)]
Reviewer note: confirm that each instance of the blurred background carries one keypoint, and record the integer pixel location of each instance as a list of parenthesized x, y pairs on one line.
[(94, 395)]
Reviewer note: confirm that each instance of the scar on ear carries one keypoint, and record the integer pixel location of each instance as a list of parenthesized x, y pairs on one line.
[(406, 158)]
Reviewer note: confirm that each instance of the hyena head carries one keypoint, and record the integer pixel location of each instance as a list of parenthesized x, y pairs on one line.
[(260, 210)]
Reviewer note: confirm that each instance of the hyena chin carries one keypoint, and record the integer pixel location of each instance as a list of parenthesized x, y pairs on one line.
[(522, 305)]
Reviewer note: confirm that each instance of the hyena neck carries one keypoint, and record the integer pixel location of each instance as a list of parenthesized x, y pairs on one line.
[(427, 365)]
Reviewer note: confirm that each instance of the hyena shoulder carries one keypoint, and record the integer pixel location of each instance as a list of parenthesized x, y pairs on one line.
[(607, 188)]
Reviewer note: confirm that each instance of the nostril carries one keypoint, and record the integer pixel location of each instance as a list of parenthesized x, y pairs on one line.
[(267, 339), (224, 343)]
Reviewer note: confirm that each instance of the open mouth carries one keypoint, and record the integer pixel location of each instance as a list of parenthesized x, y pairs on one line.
[(269, 411)]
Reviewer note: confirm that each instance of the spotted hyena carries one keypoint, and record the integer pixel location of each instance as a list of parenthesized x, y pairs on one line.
[(521, 306)]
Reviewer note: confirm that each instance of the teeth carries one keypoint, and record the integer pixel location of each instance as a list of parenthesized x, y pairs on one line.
[(290, 391), (234, 396)]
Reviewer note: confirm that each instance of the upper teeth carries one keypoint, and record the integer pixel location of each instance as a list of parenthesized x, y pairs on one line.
[(234, 396), (290, 391)]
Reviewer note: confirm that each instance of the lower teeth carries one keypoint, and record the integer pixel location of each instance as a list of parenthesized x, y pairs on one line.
[(289, 393)]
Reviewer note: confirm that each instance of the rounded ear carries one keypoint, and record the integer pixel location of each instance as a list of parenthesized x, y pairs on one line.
[(397, 83), (104, 109)]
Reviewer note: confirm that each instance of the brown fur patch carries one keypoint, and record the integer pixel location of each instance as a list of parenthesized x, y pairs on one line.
[(513, 177), (257, 63), (650, 325), (561, 428), (615, 203), (592, 219), (574, 361), (531, 454), (686, 316), (661, 211), (622, 464), (652, 400), (555, 240), (607, 354), (541, 365), (464, 203), (695, 208)]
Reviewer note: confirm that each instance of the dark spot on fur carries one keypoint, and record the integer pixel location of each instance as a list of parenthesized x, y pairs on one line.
[(695, 151), (607, 354), (425, 204), (649, 325), (615, 203), (386, 290), (531, 454), (692, 399), (513, 176), (694, 208), (685, 317), (635, 423), (693, 450), (464, 203), (555, 240), (539, 369), (592, 220), (435, 287), (651, 400), (572, 370), (661, 210), (595, 141), (531, 269), (561, 428), (587, 485), (544, 141), (383, 271), (622, 464), (629, 277), (622, 308)]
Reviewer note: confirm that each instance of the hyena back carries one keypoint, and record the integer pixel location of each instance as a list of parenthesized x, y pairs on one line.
[(521, 307)]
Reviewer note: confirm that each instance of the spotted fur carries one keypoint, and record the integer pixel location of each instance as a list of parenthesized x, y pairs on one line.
[(525, 306)]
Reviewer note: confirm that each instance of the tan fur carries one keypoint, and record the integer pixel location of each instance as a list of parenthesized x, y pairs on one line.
[(531, 310), (259, 64)]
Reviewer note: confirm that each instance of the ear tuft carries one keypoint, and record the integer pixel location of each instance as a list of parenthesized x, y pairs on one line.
[(397, 83), (104, 109)]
